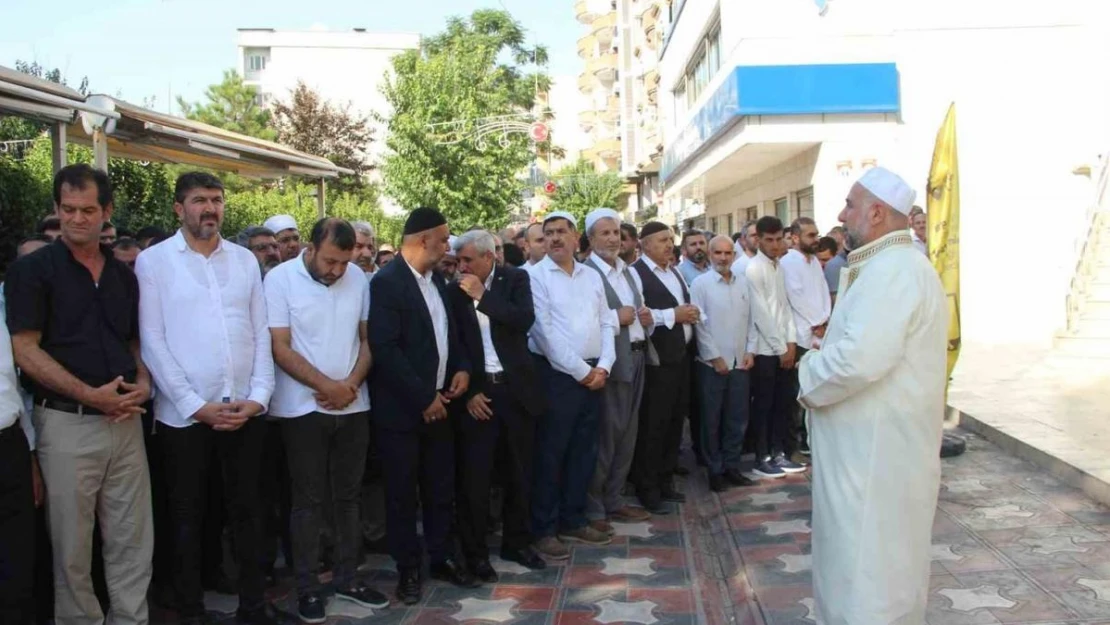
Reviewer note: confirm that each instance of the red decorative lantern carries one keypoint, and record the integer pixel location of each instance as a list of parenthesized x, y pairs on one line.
[(549, 187)]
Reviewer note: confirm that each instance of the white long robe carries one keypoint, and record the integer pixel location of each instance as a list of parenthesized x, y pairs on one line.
[(875, 392)]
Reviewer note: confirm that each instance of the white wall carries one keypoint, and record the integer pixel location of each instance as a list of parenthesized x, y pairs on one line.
[(1029, 81)]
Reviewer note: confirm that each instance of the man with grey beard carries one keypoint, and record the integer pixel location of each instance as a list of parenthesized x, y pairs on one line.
[(366, 247), (620, 399)]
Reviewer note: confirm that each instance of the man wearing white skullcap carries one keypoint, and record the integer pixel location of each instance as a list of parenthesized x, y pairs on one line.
[(573, 340), (288, 236), (449, 265), (620, 399), (875, 395)]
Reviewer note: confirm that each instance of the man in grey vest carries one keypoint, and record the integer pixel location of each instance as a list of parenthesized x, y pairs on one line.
[(620, 399)]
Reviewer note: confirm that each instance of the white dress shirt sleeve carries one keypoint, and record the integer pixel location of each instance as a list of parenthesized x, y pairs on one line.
[(608, 339), (699, 297), (277, 301), (262, 373), (558, 352), (765, 324), (802, 302), (658, 317), (168, 375)]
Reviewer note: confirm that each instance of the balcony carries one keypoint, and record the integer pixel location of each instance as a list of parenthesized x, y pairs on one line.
[(605, 27), (587, 119), (612, 111), (650, 21), (604, 67), (608, 148), (587, 46), (586, 11), (586, 83)]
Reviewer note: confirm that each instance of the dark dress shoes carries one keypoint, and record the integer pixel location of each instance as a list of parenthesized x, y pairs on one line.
[(483, 570), (408, 586), (718, 484), (525, 557), (453, 572), (737, 478), (668, 493)]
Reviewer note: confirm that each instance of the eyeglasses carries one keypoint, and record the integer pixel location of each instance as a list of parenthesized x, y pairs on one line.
[(264, 247), (291, 238)]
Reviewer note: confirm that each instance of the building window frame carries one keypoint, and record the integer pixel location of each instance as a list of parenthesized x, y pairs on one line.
[(782, 209)]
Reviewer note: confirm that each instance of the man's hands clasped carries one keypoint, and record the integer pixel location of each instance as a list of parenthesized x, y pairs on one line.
[(119, 400), (230, 416)]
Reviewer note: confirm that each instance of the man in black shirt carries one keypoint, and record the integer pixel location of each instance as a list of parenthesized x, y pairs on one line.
[(72, 310)]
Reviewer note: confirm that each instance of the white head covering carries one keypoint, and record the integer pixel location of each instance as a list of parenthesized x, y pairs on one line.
[(561, 215), (451, 245), (277, 223), (601, 213), (890, 188)]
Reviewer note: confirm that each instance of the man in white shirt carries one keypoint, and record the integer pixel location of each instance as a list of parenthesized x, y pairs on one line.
[(726, 345), (620, 399), (317, 307), (808, 294), (17, 506), (666, 400), (535, 248), (919, 230), (202, 320), (573, 339), (774, 355), (746, 246)]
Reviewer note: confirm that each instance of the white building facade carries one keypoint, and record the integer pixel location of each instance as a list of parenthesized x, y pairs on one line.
[(344, 67), (774, 107)]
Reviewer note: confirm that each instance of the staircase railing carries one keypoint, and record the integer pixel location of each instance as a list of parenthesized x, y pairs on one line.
[(1086, 258)]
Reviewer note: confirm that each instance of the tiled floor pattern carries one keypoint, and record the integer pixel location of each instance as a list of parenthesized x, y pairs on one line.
[(1010, 545)]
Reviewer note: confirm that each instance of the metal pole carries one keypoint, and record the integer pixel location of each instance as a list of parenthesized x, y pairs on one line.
[(58, 145), (100, 149), (321, 189)]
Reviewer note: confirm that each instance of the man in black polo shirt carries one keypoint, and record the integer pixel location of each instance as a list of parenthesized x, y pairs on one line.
[(72, 310)]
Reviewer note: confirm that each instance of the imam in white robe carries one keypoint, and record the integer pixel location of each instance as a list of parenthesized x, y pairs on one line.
[(875, 394)]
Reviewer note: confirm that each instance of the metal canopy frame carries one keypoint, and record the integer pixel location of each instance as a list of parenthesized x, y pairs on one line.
[(127, 131)]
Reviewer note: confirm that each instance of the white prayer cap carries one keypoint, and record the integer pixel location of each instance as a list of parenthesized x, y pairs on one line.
[(601, 213), (561, 215), (277, 223), (451, 240), (890, 188)]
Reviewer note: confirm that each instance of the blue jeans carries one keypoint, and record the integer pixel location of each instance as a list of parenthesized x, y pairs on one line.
[(725, 401), (565, 454)]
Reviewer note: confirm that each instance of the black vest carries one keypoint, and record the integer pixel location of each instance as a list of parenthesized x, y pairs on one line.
[(670, 344)]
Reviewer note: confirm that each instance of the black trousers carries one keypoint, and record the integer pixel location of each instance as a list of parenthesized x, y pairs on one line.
[(323, 449), (695, 414), (662, 413), (17, 529), (276, 498), (421, 461), (504, 443), (190, 455), (796, 421), (773, 396)]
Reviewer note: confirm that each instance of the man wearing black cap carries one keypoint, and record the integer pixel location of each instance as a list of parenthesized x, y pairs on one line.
[(419, 369), (667, 374)]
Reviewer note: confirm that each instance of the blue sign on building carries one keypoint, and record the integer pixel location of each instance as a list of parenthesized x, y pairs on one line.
[(784, 90)]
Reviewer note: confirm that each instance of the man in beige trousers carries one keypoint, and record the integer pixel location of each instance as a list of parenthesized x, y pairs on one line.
[(72, 310)]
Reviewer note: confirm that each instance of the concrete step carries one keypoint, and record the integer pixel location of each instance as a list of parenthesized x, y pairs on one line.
[(1097, 347), (1095, 308), (1092, 327), (1097, 292)]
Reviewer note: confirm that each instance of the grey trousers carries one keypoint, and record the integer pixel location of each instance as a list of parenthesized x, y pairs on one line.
[(620, 419), (94, 469)]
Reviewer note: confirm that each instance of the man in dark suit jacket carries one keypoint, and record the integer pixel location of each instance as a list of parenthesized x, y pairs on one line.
[(416, 352), (493, 305)]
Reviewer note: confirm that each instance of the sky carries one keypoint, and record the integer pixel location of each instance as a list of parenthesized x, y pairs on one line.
[(139, 49)]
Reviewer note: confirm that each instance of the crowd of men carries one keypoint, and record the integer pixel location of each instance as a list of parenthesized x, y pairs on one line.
[(304, 390)]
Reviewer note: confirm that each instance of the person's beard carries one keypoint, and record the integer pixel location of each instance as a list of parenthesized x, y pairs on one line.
[(202, 232)]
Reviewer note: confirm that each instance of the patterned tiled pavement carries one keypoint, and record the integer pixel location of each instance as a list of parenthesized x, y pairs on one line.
[(1010, 545)]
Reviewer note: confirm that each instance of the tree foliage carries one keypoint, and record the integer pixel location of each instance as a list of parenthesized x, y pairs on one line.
[(231, 105), (311, 124), (253, 206), (474, 69), (580, 189), (14, 128)]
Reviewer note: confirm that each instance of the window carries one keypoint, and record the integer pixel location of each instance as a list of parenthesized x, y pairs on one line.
[(782, 210), (256, 63), (728, 225), (713, 225), (704, 65), (805, 203), (751, 213)]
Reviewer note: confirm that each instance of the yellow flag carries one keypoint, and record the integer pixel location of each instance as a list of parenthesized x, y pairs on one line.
[(944, 225)]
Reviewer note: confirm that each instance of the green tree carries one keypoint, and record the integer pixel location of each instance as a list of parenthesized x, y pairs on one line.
[(475, 69), (14, 128), (231, 105), (311, 124), (580, 189)]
